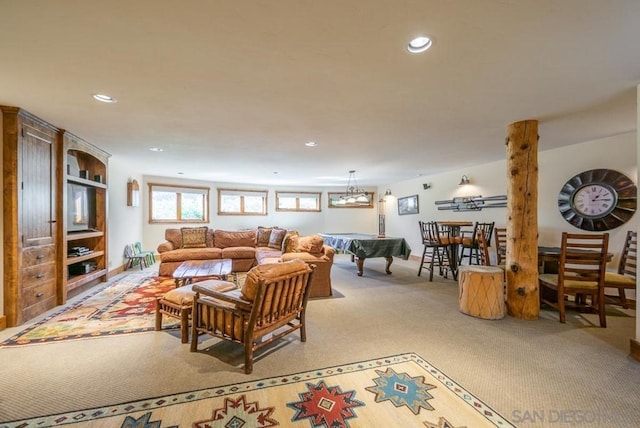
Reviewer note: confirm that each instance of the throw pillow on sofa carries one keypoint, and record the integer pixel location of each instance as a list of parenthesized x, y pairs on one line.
[(290, 242), (276, 238), (310, 244), (264, 233), (194, 237)]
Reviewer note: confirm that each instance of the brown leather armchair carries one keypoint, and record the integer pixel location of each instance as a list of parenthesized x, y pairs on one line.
[(271, 304)]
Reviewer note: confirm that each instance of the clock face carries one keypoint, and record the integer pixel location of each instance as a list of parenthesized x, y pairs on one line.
[(594, 200), (598, 199)]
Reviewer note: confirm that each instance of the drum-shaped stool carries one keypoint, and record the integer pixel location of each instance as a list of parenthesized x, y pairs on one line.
[(481, 291)]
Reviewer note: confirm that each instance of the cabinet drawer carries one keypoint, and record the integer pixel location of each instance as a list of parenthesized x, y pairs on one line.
[(38, 293), (40, 307), (38, 255), (37, 274)]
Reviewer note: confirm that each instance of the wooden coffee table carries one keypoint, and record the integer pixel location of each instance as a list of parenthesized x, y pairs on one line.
[(191, 269)]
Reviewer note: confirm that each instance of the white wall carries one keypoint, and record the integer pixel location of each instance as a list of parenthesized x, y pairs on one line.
[(362, 220), (620, 153), (637, 338), (2, 224), (555, 168), (125, 223)]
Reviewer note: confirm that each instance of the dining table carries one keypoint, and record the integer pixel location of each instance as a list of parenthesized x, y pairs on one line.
[(455, 234), (549, 257)]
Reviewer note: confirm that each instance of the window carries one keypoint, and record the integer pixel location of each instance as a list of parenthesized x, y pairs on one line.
[(178, 204), (242, 202), (298, 201)]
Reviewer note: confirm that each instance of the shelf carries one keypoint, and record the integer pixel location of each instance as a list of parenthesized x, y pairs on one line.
[(75, 236), (84, 181), (79, 280), (83, 158), (73, 260)]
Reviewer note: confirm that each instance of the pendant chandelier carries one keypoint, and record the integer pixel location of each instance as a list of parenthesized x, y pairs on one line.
[(353, 194)]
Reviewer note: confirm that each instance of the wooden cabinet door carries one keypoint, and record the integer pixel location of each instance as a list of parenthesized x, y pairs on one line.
[(37, 203)]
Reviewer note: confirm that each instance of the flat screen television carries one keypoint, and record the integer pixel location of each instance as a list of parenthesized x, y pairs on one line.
[(81, 210)]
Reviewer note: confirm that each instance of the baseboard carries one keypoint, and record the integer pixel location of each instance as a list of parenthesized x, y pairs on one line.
[(415, 258), (115, 271), (3, 322), (121, 268), (634, 349)]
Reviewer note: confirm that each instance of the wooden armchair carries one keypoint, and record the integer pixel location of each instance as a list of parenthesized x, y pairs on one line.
[(272, 302)]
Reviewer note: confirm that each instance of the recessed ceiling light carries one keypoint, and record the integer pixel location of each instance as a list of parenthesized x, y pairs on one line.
[(104, 98), (156, 149), (311, 144), (419, 44)]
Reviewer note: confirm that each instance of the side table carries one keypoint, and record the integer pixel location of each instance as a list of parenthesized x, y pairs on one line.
[(481, 291)]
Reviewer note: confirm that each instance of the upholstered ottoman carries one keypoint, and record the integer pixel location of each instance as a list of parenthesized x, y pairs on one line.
[(481, 291), (177, 303)]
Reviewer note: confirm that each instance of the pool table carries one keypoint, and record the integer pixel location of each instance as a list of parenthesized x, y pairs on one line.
[(363, 246)]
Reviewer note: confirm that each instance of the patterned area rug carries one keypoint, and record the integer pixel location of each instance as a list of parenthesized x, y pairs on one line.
[(398, 391), (124, 306)]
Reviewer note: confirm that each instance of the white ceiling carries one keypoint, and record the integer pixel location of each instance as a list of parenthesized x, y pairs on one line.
[(231, 90)]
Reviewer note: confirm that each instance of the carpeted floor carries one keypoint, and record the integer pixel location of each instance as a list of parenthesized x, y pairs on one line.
[(399, 390), (124, 306), (534, 373)]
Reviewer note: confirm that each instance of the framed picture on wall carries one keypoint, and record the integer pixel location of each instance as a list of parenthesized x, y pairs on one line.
[(408, 205)]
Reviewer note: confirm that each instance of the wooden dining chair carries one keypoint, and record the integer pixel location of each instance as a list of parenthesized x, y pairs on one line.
[(435, 252), (469, 247), (581, 273), (625, 277), (485, 260), (500, 242), (483, 250)]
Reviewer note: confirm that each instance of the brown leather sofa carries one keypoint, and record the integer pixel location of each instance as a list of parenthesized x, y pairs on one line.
[(246, 249)]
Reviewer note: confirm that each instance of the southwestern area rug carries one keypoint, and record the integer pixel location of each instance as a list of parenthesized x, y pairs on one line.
[(398, 391), (124, 306)]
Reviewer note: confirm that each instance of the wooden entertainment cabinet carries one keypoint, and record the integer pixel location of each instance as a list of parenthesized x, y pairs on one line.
[(37, 229), (92, 163)]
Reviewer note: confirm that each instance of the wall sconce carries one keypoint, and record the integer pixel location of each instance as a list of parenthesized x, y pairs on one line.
[(383, 198), (381, 214), (133, 193), (464, 180)]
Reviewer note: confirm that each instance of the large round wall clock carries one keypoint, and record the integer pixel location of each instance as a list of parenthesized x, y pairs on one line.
[(598, 199)]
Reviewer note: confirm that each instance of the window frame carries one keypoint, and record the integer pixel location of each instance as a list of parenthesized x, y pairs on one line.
[(205, 191), (296, 194), (242, 193)]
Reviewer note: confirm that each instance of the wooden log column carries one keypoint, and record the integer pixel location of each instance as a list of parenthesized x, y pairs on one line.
[(522, 220)]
